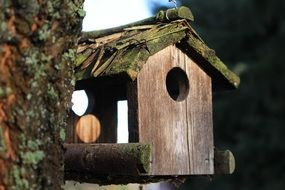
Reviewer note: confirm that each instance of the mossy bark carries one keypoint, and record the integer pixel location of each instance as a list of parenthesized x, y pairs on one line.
[(37, 48), (131, 159)]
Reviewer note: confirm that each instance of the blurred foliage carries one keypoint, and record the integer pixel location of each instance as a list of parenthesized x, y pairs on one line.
[(249, 36)]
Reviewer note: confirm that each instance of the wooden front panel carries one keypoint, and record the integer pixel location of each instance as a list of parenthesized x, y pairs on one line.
[(180, 131)]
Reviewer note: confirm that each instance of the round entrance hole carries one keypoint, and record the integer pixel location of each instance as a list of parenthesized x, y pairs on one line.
[(177, 84)]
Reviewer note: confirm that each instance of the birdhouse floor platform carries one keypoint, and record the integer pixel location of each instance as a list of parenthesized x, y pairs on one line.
[(123, 163)]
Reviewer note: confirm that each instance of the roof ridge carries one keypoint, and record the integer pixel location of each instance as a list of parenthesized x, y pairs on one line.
[(163, 16)]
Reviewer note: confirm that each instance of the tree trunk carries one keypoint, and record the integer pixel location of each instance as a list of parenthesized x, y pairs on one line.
[(37, 48)]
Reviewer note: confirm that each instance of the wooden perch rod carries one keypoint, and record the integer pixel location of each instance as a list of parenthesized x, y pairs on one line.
[(123, 163), (107, 159), (224, 162)]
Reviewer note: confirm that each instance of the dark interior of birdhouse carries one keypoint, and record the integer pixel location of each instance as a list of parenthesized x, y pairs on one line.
[(98, 124), (177, 84)]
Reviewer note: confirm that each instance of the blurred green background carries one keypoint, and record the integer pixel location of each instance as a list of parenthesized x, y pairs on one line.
[(249, 36)]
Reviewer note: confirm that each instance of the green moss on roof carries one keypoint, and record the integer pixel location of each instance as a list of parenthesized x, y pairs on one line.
[(125, 49), (128, 51), (209, 55)]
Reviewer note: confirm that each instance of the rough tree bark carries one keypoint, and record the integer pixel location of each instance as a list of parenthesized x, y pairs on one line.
[(37, 48)]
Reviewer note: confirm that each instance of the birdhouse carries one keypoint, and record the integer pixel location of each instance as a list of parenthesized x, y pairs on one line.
[(167, 74)]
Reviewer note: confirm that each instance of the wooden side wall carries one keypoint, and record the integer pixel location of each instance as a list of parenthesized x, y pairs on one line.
[(180, 132)]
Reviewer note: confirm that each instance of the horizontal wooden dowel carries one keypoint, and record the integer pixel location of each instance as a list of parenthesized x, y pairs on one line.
[(224, 162), (107, 159), (174, 14)]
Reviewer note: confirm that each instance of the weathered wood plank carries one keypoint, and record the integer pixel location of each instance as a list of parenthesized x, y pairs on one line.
[(199, 120), (162, 120), (180, 131), (107, 159)]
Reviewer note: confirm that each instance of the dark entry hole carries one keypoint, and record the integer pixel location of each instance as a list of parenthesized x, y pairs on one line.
[(177, 84)]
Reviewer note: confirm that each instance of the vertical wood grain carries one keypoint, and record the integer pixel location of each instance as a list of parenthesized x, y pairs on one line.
[(162, 120), (199, 119), (180, 132), (88, 128)]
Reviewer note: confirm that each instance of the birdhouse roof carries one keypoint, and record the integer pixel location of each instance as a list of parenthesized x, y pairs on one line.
[(122, 51)]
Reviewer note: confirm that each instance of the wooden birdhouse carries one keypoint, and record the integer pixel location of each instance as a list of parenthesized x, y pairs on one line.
[(167, 74)]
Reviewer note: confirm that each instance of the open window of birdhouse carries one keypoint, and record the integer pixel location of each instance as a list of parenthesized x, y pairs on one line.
[(99, 113)]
